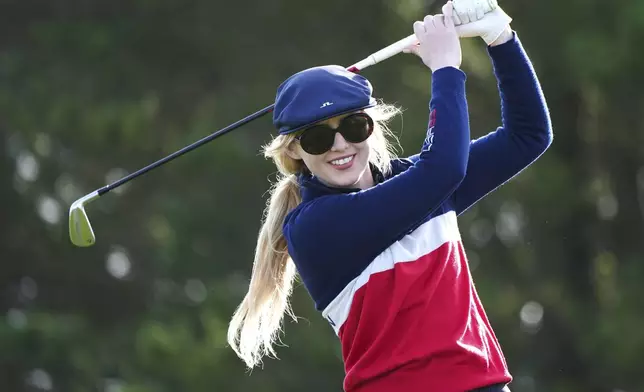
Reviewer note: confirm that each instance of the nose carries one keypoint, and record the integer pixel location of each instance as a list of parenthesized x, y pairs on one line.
[(339, 143)]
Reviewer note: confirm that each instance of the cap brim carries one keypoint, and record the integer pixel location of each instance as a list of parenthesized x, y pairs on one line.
[(300, 127)]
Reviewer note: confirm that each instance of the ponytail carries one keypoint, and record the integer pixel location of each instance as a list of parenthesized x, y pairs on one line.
[(256, 322)]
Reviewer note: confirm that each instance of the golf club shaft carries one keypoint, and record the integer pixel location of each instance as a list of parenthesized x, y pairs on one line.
[(186, 149), (372, 59)]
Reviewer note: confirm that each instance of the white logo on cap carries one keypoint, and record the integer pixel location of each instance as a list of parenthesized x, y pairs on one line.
[(327, 103)]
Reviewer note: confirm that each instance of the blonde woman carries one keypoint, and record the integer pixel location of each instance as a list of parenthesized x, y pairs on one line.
[(375, 238)]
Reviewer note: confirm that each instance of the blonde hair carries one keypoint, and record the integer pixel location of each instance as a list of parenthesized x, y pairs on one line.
[(256, 321)]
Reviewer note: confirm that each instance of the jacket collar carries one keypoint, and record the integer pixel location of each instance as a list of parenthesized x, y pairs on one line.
[(311, 187)]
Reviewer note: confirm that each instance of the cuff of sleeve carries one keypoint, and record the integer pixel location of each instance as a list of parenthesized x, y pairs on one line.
[(448, 79), (509, 48)]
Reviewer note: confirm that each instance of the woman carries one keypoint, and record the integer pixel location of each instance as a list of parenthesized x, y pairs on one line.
[(375, 238)]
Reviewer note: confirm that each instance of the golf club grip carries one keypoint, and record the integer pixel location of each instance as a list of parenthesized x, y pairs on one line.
[(384, 53)]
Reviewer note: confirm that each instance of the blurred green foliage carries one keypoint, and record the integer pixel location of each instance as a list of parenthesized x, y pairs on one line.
[(91, 90)]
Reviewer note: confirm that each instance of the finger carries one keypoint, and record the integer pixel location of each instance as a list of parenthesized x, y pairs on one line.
[(429, 22), (439, 22), (479, 13), (461, 12), (448, 11), (413, 49), (480, 9), (471, 13), (457, 21), (419, 29)]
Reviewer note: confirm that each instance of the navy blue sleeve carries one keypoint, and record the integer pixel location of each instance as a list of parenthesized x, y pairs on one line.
[(334, 237), (526, 130)]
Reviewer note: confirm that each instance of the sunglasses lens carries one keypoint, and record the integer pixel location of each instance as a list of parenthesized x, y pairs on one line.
[(320, 138), (317, 140), (356, 128)]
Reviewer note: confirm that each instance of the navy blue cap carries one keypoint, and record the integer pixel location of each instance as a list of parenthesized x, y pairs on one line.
[(318, 93)]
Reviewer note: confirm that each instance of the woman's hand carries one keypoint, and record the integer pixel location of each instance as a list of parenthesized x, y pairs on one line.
[(482, 18), (505, 36), (439, 44)]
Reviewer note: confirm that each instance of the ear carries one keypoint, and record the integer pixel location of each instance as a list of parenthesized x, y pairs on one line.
[(293, 151)]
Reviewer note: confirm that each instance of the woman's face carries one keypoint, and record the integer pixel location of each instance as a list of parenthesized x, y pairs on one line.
[(344, 164)]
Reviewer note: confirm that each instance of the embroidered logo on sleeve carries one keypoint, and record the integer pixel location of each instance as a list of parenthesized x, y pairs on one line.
[(429, 140), (432, 118)]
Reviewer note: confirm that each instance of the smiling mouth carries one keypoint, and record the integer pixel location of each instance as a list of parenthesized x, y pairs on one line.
[(342, 161)]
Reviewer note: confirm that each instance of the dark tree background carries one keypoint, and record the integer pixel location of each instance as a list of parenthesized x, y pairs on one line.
[(91, 90)]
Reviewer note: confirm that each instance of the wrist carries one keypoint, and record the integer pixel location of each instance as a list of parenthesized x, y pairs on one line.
[(448, 80), (505, 36), (438, 68)]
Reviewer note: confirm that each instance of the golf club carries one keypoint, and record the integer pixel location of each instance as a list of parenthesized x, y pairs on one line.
[(80, 229)]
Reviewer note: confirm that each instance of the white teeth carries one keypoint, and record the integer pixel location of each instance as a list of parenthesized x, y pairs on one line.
[(342, 161)]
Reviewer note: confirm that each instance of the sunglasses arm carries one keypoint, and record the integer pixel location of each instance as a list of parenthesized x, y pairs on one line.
[(384, 54)]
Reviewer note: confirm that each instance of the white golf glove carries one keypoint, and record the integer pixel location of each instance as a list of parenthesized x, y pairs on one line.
[(479, 18)]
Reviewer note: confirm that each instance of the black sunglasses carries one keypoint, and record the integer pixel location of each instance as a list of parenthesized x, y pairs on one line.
[(318, 139)]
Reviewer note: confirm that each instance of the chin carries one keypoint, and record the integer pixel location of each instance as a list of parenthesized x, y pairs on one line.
[(348, 175), (349, 179), (346, 183)]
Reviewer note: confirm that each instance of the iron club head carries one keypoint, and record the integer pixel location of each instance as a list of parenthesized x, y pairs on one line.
[(80, 230)]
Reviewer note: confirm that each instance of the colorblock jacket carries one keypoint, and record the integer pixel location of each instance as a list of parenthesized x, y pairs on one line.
[(386, 265)]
